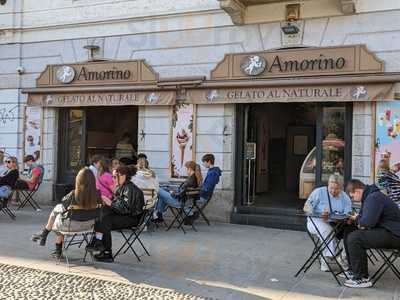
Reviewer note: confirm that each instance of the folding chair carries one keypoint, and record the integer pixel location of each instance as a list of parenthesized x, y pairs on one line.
[(389, 257), (79, 237), (320, 244), (4, 205), (28, 198), (180, 213), (131, 235), (201, 207)]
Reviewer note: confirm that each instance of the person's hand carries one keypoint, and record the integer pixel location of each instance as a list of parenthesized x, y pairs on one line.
[(325, 214), (106, 200), (353, 217)]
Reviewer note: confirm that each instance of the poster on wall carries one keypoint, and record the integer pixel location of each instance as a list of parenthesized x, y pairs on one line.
[(388, 133), (32, 136), (182, 138)]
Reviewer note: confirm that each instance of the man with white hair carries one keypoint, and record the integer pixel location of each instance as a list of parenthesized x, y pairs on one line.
[(324, 201)]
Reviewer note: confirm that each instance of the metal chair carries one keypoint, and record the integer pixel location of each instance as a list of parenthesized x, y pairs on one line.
[(79, 237), (4, 206), (389, 257), (132, 235), (182, 212), (28, 198)]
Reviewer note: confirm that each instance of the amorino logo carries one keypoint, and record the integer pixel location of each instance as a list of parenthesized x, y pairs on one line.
[(278, 64)]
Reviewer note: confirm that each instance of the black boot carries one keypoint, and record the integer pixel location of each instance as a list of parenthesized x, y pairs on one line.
[(95, 246), (104, 256), (57, 253), (40, 237)]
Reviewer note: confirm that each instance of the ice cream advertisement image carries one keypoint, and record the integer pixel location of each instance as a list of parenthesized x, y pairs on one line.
[(182, 139), (388, 133)]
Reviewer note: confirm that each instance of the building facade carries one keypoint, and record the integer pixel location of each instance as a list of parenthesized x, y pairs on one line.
[(188, 64)]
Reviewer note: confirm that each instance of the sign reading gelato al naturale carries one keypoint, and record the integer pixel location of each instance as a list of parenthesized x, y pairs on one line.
[(336, 93)]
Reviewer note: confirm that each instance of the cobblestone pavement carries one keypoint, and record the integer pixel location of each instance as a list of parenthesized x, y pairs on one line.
[(26, 283)]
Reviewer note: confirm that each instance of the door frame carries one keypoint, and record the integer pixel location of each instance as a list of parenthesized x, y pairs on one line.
[(240, 138), (348, 138)]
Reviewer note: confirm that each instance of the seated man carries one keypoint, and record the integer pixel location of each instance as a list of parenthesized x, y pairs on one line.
[(379, 228), (35, 173), (208, 186), (324, 201)]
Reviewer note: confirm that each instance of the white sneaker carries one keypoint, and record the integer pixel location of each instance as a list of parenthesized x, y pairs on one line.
[(324, 266), (347, 275), (343, 263), (358, 283)]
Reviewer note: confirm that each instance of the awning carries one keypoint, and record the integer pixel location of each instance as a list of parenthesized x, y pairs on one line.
[(111, 98), (343, 89)]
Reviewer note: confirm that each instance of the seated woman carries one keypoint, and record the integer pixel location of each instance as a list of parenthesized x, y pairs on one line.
[(9, 177), (85, 196), (172, 198), (145, 179), (123, 211), (104, 180)]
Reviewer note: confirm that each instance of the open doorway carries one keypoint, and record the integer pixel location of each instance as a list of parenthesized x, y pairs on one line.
[(283, 134), (290, 148), (87, 131)]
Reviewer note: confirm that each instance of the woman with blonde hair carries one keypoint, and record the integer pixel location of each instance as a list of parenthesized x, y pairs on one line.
[(9, 177), (173, 198), (84, 196)]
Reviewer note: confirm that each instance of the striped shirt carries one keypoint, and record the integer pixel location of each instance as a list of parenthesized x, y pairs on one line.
[(391, 182)]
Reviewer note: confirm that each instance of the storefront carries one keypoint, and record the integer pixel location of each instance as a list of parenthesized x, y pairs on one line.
[(96, 104), (279, 122), (295, 123)]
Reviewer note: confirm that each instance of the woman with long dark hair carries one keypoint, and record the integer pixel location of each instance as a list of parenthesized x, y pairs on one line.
[(124, 211), (104, 181), (84, 196)]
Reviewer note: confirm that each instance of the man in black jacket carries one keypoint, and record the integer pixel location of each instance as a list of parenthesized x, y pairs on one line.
[(379, 228), (124, 211)]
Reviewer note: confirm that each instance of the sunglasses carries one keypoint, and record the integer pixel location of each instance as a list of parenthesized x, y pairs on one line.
[(9, 161)]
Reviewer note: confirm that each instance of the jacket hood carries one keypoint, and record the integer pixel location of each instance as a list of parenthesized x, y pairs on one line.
[(215, 170), (369, 189)]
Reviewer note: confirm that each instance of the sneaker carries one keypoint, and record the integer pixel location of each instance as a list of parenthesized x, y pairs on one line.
[(347, 275), (343, 263), (324, 266), (104, 256), (95, 246), (358, 283)]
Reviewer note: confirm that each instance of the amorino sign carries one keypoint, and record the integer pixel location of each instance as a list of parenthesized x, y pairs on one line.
[(298, 62), (98, 73)]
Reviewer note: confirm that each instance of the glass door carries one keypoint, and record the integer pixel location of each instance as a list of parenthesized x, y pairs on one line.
[(334, 129), (73, 134)]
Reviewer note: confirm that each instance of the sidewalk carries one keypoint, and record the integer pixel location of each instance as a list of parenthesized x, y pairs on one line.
[(222, 261)]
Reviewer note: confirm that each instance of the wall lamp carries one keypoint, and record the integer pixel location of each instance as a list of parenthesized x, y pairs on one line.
[(92, 49)]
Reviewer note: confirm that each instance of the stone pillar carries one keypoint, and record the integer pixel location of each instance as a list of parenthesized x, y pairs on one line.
[(363, 139)]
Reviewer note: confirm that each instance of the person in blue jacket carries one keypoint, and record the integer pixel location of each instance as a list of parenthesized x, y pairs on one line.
[(208, 186), (378, 228)]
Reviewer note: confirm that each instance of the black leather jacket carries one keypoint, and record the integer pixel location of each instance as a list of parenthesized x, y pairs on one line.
[(128, 200)]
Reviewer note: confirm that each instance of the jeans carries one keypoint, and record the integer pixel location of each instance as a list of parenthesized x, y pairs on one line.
[(165, 199), (360, 240), (112, 221), (5, 191), (324, 229)]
